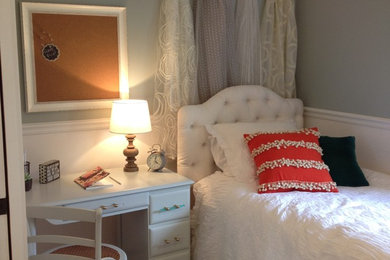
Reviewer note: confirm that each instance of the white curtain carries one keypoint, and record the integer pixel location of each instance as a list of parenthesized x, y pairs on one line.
[(248, 41), (176, 73), (279, 46)]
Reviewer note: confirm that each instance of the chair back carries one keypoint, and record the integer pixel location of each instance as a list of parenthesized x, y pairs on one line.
[(67, 214)]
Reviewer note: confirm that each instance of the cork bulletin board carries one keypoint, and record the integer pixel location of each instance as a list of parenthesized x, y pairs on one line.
[(75, 56)]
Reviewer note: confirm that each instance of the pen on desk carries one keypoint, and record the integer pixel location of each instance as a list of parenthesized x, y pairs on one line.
[(115, 180)]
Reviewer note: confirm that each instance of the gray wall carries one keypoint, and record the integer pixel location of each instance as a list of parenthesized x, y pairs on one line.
[(344, 55), (142, 28)]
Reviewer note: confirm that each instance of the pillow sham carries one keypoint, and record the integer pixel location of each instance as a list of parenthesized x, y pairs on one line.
[(230, 151), (339, 154), (288, 161)]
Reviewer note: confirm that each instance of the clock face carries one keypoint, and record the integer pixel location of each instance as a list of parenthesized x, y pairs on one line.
[(156, 161)]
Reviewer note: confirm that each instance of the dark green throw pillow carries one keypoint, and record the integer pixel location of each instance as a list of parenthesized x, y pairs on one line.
[(339, 154)]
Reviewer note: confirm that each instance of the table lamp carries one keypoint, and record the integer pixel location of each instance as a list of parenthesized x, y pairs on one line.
[(130, 117)]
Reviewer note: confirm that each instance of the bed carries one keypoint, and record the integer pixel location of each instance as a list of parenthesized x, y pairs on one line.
[(231, 220)]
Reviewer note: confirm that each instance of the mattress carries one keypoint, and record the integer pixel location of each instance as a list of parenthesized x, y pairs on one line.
[(231, 221)]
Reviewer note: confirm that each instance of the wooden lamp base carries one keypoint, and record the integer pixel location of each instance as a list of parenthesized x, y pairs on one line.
[(130, 152)]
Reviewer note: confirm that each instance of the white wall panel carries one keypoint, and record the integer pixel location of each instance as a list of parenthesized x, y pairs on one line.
[(372, 134)]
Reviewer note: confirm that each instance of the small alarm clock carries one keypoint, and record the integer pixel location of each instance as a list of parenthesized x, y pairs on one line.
[(156, 160)]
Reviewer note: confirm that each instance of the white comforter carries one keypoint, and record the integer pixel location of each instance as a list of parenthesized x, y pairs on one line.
[(231, 221)]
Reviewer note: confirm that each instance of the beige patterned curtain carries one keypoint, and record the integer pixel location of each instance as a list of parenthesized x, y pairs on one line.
[(279, 46), (176, 73)]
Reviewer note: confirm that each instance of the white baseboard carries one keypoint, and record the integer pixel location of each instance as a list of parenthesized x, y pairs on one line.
[(372, 134)]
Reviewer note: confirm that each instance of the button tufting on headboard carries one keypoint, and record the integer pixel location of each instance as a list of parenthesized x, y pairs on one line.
[(234, 104)]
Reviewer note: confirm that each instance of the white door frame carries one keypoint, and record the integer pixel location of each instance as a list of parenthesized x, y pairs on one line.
[(4, 235), (13, 129)]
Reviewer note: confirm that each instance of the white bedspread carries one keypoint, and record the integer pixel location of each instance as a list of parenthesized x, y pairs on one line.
[(234, 222)]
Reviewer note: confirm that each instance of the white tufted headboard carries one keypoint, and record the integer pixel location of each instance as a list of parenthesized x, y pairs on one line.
[(234, 104)]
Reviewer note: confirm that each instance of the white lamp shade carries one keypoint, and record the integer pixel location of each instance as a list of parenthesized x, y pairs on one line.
[(130, 116)]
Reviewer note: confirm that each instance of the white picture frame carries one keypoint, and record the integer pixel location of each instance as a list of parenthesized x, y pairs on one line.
[(32, 103)]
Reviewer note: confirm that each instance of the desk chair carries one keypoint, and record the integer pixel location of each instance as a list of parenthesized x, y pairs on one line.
[(76, 248)]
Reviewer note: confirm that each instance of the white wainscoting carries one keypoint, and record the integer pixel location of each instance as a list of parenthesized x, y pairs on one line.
[(83, 144), (372, 134), (80, 145)]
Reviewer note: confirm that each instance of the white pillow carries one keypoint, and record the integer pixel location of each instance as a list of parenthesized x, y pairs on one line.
[(229, 150)]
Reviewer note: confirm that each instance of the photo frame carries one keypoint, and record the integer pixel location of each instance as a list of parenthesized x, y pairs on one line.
[(75, 56)]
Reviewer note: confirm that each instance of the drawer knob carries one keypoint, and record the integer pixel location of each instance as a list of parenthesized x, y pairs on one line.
[(175, 206), (113, 205), (167, 241), (177, 239)]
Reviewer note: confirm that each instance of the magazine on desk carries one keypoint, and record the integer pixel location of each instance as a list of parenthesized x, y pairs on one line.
[(93, 179)]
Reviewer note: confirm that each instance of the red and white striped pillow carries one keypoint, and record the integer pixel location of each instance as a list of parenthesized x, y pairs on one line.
[(288, 161)]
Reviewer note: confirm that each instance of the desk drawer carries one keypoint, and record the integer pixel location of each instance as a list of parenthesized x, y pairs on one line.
[(165, 238), (169, 205), (115, 204)]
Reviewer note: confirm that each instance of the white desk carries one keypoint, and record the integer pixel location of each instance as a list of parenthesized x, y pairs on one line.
[(165, 196)]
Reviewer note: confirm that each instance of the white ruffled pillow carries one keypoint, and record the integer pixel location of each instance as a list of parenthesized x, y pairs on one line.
[(229, 150)]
